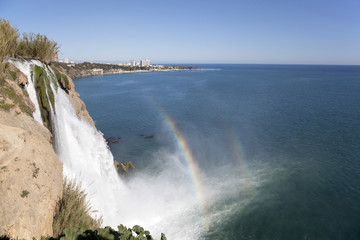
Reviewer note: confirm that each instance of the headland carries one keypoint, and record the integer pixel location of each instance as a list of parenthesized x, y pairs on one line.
[(85, 69)]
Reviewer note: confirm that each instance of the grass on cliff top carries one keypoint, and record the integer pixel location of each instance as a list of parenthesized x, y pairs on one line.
[(74, 209)]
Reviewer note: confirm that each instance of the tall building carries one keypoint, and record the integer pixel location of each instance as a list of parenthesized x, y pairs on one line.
[(145, 63), (56, 57), (132, 63)]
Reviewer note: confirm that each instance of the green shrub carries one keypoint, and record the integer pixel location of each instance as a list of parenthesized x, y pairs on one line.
[(8, 39), (37, 47), (66, 81), (24, 193), (12, 74), (107, 233), (73, 210), (4, 237), (6, 91), (6, 106)]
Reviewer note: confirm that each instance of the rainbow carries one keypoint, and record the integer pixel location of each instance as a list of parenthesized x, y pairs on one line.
[(192, 165), (194, 169), (238, 155)]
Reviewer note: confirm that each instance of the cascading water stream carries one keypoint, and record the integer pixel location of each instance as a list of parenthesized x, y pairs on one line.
[(26, 68), (165, 201), (86, 157), (80, 147)]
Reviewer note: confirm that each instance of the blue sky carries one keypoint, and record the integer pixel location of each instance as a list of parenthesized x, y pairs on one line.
[(243, 31)]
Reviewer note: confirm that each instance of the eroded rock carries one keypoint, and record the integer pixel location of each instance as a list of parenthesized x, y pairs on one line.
[(79, 105), (30, 179)]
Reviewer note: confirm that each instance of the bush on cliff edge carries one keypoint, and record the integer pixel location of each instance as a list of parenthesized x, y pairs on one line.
[(37, 46), (8, 39), (34, 46), (74, 209)]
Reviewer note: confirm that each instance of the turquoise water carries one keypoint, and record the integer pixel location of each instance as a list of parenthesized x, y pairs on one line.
[(278, 145)]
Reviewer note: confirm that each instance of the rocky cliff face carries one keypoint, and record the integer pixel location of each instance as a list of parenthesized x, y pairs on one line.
[(30, 179), (79, 105), (30, 172)]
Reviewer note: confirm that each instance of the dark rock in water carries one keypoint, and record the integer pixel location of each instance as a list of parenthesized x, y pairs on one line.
[(149, 137), (112, 140), (141, 135), (123, 168)]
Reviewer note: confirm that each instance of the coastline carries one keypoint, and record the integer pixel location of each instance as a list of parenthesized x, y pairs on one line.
[(151, 70), (87, 69)]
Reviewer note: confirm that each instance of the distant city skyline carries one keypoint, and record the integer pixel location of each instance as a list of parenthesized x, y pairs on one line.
[(244, 31)]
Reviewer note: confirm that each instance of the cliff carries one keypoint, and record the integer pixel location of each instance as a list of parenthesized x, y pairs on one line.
[(69, 87), (31, 179)]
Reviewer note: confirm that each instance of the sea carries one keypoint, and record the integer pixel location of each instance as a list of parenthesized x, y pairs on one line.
[(241, 152)]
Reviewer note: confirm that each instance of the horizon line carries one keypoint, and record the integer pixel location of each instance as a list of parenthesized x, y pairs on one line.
[(214, 63)]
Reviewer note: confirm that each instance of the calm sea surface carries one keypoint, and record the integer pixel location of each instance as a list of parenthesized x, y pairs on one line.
[(278, 146)]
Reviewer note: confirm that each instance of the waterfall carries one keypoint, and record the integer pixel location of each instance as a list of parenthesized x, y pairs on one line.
[(160, 202), (80, 147), (146, 200), (87, 159)]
